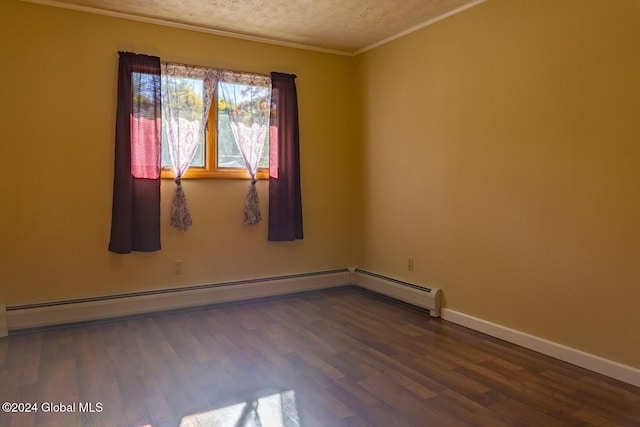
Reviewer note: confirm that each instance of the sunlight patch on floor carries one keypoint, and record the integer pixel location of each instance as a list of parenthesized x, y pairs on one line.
[(274, 410)]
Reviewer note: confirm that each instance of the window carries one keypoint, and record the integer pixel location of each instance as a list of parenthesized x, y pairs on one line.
[(217, 154), (153, 94)]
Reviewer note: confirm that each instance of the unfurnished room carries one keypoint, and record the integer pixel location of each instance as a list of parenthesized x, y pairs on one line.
[(320, 213)]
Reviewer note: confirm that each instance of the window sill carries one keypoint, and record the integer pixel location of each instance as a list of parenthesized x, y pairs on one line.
[(195, 173)]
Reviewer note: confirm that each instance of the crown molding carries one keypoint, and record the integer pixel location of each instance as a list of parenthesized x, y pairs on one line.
[(419, 26), (248, 37), (183, 26)]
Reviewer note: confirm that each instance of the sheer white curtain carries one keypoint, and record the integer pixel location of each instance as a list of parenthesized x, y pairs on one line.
[(187, 92), (247, 99)]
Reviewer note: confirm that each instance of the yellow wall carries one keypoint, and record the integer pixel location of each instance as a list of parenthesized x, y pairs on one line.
[(499, 148), (57, 122), (502, 152)]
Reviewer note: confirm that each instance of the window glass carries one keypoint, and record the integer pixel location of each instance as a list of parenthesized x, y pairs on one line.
[(228, 153), (189, 91), (217, 154)]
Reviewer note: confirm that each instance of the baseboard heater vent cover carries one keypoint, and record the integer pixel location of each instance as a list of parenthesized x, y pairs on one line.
[(420, 296), (47, 314), (4, 329)]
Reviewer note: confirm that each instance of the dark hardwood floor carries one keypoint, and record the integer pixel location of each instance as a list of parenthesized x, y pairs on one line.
[(335, 358)]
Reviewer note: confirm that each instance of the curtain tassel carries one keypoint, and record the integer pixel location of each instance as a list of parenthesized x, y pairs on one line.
[(180, 216), (252, 214)]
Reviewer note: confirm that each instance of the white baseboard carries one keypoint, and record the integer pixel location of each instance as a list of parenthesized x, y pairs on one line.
[(618, 371), (4, 330), (74, 311)]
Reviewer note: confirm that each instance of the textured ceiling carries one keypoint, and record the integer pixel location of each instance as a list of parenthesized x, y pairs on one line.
[(344, 26)]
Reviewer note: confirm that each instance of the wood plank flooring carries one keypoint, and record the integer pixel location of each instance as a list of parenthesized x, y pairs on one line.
[(336, 358)]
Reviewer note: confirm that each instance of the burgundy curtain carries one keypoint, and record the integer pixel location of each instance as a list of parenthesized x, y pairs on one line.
[(285, 200), (135, 220)]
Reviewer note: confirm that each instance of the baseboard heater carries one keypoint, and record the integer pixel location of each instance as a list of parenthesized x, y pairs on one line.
[(420, 296), (48, 314), (4, 330), (33, 316)]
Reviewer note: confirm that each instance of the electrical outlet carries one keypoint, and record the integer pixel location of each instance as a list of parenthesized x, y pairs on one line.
[(410, 264), (177, 266)]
